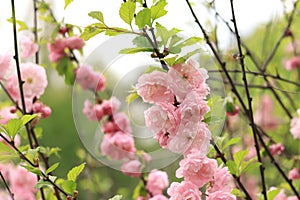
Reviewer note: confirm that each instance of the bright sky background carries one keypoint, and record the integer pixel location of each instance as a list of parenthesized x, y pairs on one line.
[(250, 13)]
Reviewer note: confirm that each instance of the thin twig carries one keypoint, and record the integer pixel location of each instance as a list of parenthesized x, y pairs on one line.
[(7, 187)]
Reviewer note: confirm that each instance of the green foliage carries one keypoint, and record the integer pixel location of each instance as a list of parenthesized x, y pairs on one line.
[(22, 25), (97, 15), (140, 190), (67, 3), (7, 154), (69, 186), (52, 168), (75, 171), (131, 97), (92, 30), (136, 50), (231, 142), (143, 18), (32, 169), (127, 11), (158, 10), (66, 68)]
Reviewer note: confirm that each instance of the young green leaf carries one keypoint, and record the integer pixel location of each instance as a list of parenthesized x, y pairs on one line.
[(67, 3), (7, 154), (92, 30), (127, 11), (136, 50), (22, 25), (97, 15), (131, 97), (239, 157), (158, 10), (27, 118), (34, 170), (69, 186), (75, 171), (12, 127), (52, 168), (231, 167), (141, 41), (143, 18), (272, 194), (139, 190), (42, 184), (232, 141)]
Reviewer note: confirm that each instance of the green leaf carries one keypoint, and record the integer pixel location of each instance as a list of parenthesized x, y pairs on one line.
[(232, 141), (75, 171), (170, 61), (113, 31), (27, 118), (236, 192), (239, 157), (272, 194), (117, 197), (136, 50), (97, 15), (153, 68), (127, 11), (139, 190), (52, 168), (131, 97), (158, 10), (42, 184), (69, 186), (92, 30), (7, 154), (67, 3), (231, 167), (230, 107), (246, 166), (188, 42), (143, 18), (141, 41), (65, 67), (163, 33), (22, 25), (34, 170), (13, 127)]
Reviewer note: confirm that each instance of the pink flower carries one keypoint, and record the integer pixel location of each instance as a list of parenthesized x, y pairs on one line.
[(35, 82), (264, 115), (295, 126), (40, 108), (280, 196), (159, 197), (60, 47), (110, 106), (88, 110), (276, 149), (190, 137), (188, 76), (89, 79), (197, 169), (132, 168), (163, 118), (155, 88), (22, 183), (235, 112), (294, 174), (292, 198), (157, 182), (118, 146), (221, 195), (222, 181), (7, 113), (193, 107), (122, 122), (184, 190), (5, 64), (292, 63), (28, 47)]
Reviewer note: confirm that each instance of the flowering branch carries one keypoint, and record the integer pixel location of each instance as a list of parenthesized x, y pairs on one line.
[(249, 111)]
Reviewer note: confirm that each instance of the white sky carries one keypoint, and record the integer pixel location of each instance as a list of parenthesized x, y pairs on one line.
[(250, 13)]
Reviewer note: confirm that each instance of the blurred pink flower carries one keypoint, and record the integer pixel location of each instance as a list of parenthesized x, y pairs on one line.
[(4, 195), (292, 63), (122, 122), (58, 49), (163, 118), (159, 197), (7, 113), (41, 109), (294, 174), (276, 149), (110, 106), (264, 115), (157, 182), (280, 196), (22, 183), (197, 168), (118, 146), (222, 181), (5, 64), (88, 110), (295, 126), (88, 79), (28, 47), (184, 190), (35, 82), (155, 88), (292, 198), (221, 195), (132, 168)]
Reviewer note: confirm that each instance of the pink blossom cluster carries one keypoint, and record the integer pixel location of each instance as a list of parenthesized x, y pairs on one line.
[(28, 46), (176, 118), (179, 106), (295, 126), (34, 84), (61, 47), (282, 196)]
